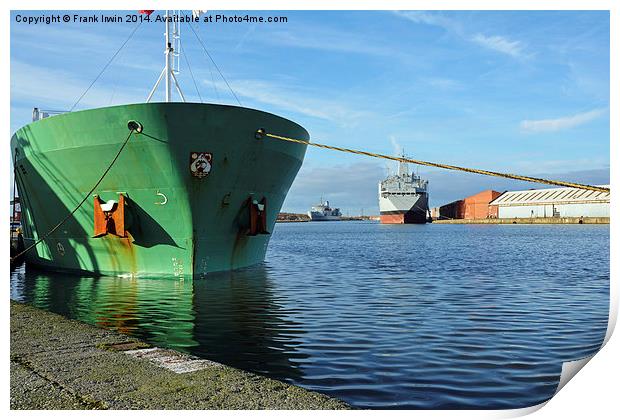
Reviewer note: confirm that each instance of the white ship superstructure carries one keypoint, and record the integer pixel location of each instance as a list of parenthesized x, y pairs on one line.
[(403, 197)]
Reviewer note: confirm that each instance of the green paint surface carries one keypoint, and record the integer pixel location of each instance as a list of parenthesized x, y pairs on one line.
[(202, 226)]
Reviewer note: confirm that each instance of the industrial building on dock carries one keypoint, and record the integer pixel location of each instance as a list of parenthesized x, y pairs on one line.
[(473, 207), (531, 204), (552, 202)]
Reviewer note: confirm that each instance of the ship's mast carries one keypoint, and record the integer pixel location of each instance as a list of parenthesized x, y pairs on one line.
[(403, 167), (172, 47), (168, 52)]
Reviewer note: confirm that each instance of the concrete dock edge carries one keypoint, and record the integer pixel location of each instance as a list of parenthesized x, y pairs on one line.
[(528, 221), (58, 363)]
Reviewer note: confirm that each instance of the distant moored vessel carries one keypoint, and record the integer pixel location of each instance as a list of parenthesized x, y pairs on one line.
[(403, 198), (322, 212)]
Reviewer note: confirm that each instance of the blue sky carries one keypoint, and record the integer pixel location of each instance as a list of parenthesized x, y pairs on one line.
[(521, 92)]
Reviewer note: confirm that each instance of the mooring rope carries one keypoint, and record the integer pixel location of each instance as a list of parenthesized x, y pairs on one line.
[(441, 165), (131, 130)]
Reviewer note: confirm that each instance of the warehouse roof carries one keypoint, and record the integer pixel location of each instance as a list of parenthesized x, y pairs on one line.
[(551, 195)]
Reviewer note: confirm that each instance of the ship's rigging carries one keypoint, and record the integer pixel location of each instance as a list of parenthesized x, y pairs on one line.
[(173, 49)]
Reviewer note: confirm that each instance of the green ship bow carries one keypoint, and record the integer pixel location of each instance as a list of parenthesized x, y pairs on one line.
[(196, 191), (167, 189)]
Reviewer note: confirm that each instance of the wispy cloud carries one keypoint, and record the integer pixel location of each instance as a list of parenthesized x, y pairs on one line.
[(350, 187), (248, 32), (58, 88), (500, 43), (559, 167), (427, 18), (324, 39), (561, 123), (444, 84), (496, 43), (296, 99)]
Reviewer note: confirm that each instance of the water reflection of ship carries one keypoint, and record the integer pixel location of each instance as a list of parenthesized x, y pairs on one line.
[(240, 322), (231, 317), (107, 302)]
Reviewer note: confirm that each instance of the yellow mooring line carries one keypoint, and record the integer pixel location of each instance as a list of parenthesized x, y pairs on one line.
[(260, 133)]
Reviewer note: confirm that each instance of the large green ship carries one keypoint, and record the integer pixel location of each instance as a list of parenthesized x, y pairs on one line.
[(195, 189)]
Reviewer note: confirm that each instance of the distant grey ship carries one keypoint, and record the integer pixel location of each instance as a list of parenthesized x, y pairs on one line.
[(322, 212), (403, 198)]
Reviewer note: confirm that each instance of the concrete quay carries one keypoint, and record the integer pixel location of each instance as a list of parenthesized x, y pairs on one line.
[(528, 221), (57, 363)]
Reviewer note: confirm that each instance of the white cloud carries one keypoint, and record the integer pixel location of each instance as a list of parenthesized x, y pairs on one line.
[(63, 38), (427, 18), (56, 89), (562, 123), (493, 42), (324, 39), (499, 43), (444, 84), (34, 86), (350, 187), (295, 99), (248, 32)]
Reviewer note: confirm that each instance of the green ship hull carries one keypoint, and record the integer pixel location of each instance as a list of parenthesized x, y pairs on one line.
[(177, 221)]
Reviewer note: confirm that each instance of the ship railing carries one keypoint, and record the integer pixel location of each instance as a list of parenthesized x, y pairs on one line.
[(39, 114)]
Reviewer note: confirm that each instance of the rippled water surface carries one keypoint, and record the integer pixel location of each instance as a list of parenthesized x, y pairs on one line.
[(434, 316)]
